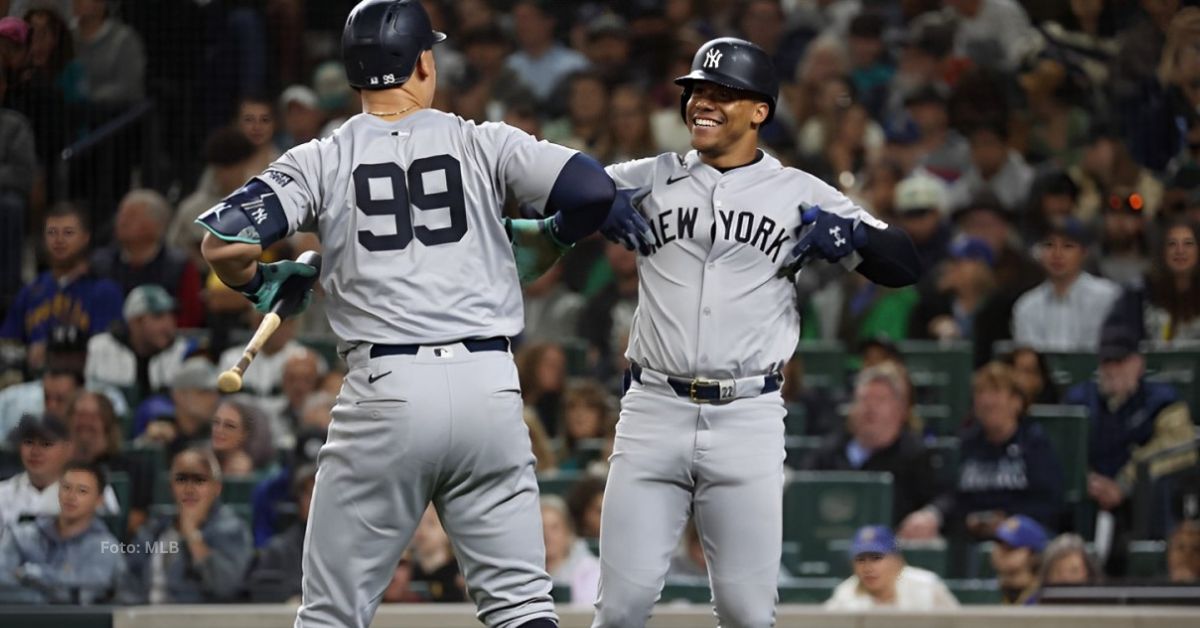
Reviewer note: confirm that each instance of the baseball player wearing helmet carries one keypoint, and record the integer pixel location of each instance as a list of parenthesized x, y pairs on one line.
[(721, 233), (422, 277)]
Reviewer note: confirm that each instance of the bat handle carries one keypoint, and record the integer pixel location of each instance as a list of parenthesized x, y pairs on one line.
[(269, 324)]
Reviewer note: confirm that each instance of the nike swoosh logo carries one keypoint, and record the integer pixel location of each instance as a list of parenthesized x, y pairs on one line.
[(371, 379), (677, 179)]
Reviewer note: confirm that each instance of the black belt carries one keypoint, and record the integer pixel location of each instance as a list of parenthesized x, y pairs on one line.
[(705, 390), (474, 345)]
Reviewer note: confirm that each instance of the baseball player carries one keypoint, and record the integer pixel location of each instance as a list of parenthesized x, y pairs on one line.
[(423, 294), (701, 429)]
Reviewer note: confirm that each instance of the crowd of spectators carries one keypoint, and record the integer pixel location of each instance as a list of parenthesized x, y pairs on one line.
[(1044, 157)]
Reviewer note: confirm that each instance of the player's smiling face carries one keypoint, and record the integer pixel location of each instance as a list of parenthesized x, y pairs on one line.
[(721, 118)]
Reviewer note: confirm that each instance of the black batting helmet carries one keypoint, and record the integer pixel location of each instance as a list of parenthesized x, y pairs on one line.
[(382, 40), (734, 63)]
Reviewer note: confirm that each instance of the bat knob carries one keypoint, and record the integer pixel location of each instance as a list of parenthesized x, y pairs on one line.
[(229, 382)]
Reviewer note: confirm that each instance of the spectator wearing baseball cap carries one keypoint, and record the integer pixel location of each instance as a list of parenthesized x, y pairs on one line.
[(882, 579), (965, 302), (142, 356), (1066, 311), (45, 451), (14, 40), (1130, 419), (302, 116), (921, 211), (193, 399), (1017, 547)]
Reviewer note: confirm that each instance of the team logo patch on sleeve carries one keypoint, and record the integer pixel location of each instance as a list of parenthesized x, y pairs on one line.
[(280, 179)]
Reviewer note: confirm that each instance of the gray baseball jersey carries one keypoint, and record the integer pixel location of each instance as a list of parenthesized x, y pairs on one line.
[(709, 301), (409, 218), (710, 305), (415, 253)]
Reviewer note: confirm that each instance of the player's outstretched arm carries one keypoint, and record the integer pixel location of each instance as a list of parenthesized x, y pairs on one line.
[(580, 199), (577, 205)]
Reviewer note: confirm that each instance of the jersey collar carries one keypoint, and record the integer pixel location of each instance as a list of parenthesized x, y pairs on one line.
[(763, 161)]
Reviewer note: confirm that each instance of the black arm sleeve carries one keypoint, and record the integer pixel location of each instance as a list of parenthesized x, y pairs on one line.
[(889, 258), (580, 199)]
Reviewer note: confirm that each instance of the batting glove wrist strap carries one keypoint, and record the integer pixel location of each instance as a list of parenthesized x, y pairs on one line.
[(251, 287), (270, 278), (535, 246)]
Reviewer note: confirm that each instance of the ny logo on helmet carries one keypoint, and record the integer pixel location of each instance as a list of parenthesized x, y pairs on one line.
[(712, 59)]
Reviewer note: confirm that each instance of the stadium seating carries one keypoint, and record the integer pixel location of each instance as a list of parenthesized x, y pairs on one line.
[(1147, 559), (1178, 366), (796, 419), (117, 524), (824, 363), (558, 483), (823, 506), (938, 419), (945, 454), (1067, 429), (800, 448), (975, 591), (940, 372)]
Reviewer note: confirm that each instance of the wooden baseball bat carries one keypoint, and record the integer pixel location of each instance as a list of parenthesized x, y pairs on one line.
[(293, 291), (231, 381)]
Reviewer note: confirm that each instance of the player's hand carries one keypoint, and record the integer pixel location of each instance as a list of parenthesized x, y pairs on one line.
[(625, 224), (831, 237), (535, 247), (274, 274)]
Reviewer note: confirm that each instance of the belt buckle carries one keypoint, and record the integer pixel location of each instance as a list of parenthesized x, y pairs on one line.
[(702, 382)]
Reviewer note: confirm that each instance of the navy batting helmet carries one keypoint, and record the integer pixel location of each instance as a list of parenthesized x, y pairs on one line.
[(382, 41), (734, 63)]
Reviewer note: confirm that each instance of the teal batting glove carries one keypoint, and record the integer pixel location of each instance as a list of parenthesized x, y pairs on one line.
[(264, 289), (535, 245)]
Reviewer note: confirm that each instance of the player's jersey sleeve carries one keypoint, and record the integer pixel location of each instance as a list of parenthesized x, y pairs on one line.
[(525, 166), (635, 174), (296, 180)]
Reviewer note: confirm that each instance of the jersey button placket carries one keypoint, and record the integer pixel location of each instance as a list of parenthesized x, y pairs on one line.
[(704, 322)]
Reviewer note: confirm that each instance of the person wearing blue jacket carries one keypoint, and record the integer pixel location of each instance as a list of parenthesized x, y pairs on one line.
[(1131, 419), (68, 294), (69, 558), (1008, 466)]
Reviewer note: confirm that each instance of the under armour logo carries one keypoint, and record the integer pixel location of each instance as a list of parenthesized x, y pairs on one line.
[(712, 59), (838, 240)]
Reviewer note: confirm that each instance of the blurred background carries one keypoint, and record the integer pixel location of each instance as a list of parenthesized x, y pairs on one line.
[(1020, 423)]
